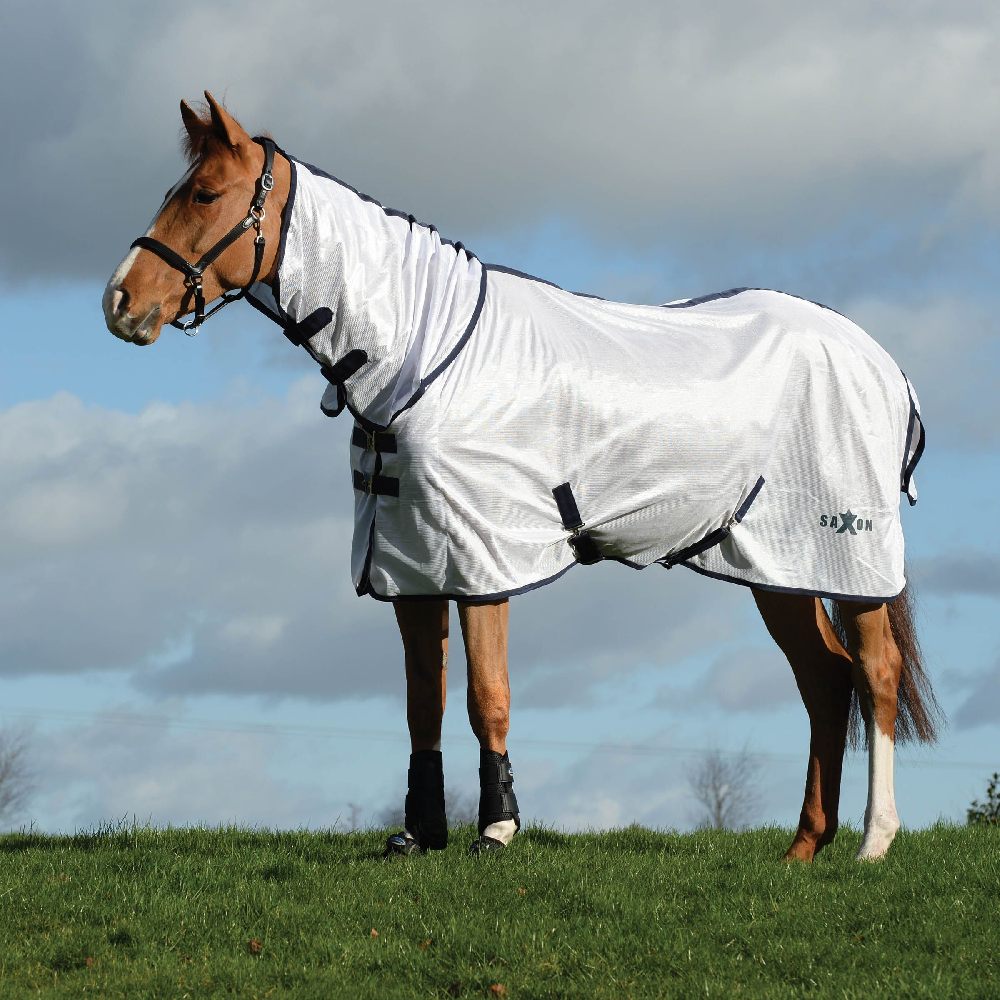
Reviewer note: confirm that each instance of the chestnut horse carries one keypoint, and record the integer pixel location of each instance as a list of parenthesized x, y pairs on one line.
[(226, 214)]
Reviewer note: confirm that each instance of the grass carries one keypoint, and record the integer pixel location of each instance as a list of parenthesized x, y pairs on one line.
[(135, 912)]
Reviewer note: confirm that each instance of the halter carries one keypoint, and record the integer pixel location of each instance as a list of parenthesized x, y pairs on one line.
[(193, 272)]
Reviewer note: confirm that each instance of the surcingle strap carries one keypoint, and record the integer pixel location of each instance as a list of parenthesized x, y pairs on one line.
[(382, 441), (580, 540), (299, 333), (339, 373), (425, 819), (497, 800), (376, 486)]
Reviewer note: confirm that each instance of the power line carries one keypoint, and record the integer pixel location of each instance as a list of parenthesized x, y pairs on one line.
[(149, 720)]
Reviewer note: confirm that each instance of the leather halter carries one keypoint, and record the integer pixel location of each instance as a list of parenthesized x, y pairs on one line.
[(193, 272)]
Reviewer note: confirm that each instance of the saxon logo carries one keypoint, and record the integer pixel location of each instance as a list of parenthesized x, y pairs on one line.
[(846, 523)]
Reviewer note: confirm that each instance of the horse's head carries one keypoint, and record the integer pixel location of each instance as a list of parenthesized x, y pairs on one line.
[(214, 196)]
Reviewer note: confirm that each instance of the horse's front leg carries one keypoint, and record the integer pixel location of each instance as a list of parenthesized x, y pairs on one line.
[(485, 630), (423, 626)]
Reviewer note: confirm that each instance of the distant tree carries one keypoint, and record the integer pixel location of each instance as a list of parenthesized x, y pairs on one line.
[(725, 787), (462, 810), (986, 813), (354, 823), (16, 783)]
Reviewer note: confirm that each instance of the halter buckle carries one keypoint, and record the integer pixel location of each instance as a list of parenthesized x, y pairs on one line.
[(266, 182)]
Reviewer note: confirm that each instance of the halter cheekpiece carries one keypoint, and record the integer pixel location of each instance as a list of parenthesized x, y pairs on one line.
[(193, 272)]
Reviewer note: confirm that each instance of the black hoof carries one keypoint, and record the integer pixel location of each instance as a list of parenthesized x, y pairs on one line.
[(485, 845), (399, 845)]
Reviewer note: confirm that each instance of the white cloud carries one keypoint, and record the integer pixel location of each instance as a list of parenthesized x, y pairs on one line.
[(656, 122), (982, 706), (948, 346), (117, 768)]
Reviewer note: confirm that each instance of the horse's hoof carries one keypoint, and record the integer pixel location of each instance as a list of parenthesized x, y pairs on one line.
[(485, 845), (399, 845)]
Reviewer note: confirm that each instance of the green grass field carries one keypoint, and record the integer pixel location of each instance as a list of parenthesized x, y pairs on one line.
[(631, 913)]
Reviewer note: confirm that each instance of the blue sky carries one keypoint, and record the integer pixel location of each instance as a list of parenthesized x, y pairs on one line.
[(177, 625)]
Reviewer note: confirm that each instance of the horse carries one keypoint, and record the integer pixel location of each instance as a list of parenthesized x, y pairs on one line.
[(401, 320)]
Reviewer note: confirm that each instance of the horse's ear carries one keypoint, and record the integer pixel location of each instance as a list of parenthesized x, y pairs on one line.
[(193, 124), (225, 127)]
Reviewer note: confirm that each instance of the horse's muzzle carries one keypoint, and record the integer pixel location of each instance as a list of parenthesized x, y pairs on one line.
[(133, 329)]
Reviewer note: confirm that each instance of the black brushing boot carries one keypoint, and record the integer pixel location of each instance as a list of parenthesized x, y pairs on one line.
[(497, 801), (426, 825)]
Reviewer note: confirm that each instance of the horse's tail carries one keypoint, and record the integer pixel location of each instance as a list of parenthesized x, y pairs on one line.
[(919, 714)]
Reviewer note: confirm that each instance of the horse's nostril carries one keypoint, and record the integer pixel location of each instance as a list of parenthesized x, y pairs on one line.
[(121, 301)]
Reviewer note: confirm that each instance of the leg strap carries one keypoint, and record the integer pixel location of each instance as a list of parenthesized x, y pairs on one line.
[(425, 813), (496, 790)]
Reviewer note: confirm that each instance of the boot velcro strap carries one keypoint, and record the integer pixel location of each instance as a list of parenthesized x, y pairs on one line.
[(497, 801), (419, 779), (495, 772), (500, 801)]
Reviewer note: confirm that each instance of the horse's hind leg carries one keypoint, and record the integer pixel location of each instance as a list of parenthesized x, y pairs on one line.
[(423, 626), (822, 668), (877, 668), (485, 630)]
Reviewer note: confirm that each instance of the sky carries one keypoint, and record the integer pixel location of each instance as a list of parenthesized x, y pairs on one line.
[(179, 637)]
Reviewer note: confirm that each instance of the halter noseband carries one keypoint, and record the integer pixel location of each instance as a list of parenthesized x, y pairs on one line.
[(193, 272)]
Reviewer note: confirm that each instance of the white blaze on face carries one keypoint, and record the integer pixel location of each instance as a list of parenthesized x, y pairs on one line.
[(112, 293)]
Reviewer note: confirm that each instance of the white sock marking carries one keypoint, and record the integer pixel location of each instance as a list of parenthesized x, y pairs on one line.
[(503, 831), (881, 819)]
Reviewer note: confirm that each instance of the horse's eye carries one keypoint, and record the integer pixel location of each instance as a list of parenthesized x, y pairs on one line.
[(204, 197)]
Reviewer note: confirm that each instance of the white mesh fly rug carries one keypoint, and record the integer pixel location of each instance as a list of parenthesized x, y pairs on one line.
[(506, 429)]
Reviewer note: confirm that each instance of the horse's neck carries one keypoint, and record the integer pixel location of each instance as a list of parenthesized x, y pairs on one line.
[(393, 289)]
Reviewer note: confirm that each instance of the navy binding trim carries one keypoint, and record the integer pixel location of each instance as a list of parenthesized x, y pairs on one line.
[(338, 374), (909, 465), (341, 403), (713, 538), (393, 213), (730, 292), (365, 588), (453, 354), (502, 269), (718, 535), (789, 590), (748, 503)]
